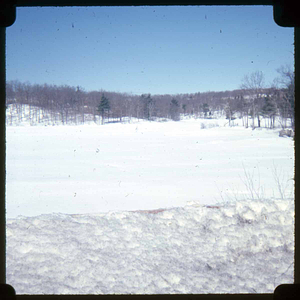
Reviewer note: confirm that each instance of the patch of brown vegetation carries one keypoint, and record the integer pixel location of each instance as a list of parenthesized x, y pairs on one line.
[(152, 211), (213, 206)]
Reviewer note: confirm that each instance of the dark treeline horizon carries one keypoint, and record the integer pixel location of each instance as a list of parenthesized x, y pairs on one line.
[(71, 105)]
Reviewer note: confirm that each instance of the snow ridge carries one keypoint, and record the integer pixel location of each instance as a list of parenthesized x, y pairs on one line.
[(239, 247)]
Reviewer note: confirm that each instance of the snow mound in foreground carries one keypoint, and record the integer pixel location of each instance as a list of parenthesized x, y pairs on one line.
[(241, 247)]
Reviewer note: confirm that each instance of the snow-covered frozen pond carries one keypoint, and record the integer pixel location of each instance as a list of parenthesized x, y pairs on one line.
[(149, 208), (145, 165)]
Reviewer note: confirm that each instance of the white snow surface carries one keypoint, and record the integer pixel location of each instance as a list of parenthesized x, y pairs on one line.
[(149, 208), (142, 165), (240, 247)]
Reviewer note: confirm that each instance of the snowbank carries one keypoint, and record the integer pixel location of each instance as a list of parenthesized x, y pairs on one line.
[(241, 247)]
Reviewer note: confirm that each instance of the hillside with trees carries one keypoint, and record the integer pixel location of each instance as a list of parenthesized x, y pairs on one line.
[(53, 104)]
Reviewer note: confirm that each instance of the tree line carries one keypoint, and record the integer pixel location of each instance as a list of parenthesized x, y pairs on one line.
[(65, 104)]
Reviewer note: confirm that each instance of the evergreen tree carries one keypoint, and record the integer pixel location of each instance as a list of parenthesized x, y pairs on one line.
[(205, 109), (103, 107), (268, 110), (148, 106), (174, 110)]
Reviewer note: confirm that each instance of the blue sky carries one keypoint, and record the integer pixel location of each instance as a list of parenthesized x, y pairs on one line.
[(157, 50)]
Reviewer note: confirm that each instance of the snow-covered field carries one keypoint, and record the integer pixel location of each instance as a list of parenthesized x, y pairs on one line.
[(149, 207), (144, 165)]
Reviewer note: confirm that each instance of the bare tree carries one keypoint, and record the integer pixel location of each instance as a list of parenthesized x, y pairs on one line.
[(254, 82), (231, 108), (286, 102)]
